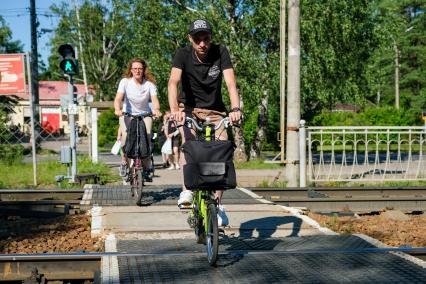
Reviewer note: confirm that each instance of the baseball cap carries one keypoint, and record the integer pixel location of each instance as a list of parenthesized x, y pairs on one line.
[(199, 26)]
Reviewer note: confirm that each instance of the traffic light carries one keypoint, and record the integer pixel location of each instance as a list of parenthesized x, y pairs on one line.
[(68, 62)]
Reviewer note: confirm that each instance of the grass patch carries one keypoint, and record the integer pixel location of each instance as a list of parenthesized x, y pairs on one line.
[(257, 164), (20, 175)]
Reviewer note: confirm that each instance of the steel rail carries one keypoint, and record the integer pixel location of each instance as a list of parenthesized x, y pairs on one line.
[(86, 266), (39, 194), (52, 267), (354, 199)]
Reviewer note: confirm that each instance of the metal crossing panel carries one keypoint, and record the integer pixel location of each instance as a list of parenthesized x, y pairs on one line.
[(312, 259)]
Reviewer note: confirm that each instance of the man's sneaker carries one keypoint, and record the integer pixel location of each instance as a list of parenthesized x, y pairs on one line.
[(123, 170), (172, 167), (222, 219), (185, 199), (177, 167)]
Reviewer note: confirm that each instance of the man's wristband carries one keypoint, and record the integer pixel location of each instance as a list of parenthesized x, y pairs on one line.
[(235, 109)]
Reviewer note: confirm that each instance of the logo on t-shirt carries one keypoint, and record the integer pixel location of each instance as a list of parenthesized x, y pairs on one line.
[(214, 71)]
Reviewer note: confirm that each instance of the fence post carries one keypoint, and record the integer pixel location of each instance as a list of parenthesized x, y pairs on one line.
[(302, 154), (94, 126)]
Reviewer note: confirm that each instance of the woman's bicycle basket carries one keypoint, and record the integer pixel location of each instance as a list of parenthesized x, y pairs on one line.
[(209, 165)]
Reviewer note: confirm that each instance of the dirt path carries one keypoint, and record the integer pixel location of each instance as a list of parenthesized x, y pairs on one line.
[(394, 233)]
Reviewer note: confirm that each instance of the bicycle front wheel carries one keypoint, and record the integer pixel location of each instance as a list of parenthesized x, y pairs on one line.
[(212, 234), (138, 186)]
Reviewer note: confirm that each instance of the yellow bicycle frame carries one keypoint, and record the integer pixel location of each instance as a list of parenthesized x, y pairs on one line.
[(203, 195)]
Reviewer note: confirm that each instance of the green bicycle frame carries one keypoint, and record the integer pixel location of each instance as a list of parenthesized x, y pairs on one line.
[(203, 195)]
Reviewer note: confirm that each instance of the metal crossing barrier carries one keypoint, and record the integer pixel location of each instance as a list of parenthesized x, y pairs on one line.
[(366, 153)]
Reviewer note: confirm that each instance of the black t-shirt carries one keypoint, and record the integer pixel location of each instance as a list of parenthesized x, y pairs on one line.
[(201, 82)]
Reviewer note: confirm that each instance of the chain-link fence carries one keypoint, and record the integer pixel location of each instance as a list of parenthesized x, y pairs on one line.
[(51, 132)]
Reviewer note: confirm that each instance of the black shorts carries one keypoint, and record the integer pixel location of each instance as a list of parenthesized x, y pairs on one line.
[(175, 141)]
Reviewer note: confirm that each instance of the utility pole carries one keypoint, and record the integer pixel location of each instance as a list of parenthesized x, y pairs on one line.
[(395, 46), (293, 91), (83, 67), (282, 76), (34, 70)]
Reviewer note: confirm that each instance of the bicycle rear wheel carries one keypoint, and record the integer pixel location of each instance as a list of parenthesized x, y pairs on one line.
[(212, 234)]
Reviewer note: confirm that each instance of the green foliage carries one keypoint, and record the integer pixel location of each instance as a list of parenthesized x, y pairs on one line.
[(347, 51), (7, 45), (400, 29), (387, 116), (336, 38), (11, 153), (108, 127)]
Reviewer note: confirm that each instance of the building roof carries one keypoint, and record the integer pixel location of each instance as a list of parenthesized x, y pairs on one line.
[(346, 107), (52, 90)]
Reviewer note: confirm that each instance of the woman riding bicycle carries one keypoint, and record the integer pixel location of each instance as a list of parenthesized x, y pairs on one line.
[(136, 90)]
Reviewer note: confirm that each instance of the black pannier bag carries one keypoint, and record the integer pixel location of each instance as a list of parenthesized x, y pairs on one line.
[(209, 165)]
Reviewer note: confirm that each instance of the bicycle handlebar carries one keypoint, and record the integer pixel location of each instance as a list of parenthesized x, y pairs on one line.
[(224, 121), (141, 114)]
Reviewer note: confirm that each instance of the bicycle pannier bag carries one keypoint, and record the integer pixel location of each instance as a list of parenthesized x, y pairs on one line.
[(209, 165)]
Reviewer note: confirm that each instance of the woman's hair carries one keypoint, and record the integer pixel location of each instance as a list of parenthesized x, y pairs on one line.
[(146, 73)]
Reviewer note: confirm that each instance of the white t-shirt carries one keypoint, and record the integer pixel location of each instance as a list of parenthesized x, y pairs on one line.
[(136, 96)]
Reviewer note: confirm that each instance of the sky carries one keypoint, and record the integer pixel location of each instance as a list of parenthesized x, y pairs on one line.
[(16, 13)]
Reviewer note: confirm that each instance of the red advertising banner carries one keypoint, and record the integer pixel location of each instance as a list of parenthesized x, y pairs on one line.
[(11, 74)]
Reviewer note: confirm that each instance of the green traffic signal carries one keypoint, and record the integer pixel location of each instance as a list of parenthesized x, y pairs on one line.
[(69, 66), (68, 62)]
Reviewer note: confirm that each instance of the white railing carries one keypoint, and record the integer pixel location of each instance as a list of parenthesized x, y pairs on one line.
[(366, 153)]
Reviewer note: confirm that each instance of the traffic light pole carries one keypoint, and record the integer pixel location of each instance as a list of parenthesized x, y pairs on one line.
[(71, 120)]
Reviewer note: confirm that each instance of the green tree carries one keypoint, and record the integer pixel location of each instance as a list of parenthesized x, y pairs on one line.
[(7, 45), (104, 32), (337, 39), (400, 29)]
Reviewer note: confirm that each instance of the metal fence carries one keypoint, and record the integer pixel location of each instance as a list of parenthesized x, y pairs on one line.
[(17, 135), (360, 154)]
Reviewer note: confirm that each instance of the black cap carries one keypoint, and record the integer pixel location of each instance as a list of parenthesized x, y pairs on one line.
[(199, 26)]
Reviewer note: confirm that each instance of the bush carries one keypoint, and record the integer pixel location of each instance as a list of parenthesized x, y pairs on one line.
[(108, 127), (387, 116), (11, 153)]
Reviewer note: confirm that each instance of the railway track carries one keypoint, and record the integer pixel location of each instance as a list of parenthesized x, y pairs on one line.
[(40, 203), (58, 268), (87, 267), (353, 199)]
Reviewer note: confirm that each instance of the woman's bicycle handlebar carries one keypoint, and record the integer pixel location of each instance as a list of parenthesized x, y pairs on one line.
[(141, 114)]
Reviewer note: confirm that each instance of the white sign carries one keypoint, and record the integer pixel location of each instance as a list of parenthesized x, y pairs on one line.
[(73, 109)]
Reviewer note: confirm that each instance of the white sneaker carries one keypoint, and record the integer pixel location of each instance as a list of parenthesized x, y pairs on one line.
[(172, 167), (222, 219), (185, 198), (177, 167)]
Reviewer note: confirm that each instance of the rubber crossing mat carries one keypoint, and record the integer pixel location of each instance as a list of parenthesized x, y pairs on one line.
[(162, 195), (313, 259), (230, 243)]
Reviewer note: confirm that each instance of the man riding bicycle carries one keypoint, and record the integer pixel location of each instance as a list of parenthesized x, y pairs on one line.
[(137, 89), (200, 67)]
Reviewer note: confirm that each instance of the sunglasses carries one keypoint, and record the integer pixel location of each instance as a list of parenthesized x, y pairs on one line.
[(205, 39)]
